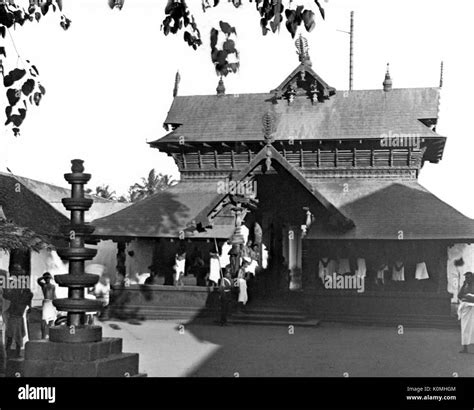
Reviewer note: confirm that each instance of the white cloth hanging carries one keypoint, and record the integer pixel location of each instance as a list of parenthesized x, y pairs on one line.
[(323, 268), (343, 266), (381, 273), (214, 269), (361, 268), (327, 267), (398, 272), (421, 271)]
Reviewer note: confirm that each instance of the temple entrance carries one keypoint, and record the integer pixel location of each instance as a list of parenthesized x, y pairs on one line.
[(292, 253)]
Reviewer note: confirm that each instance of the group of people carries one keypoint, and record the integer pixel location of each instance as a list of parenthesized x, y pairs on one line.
[(239, 276), (15, 303)]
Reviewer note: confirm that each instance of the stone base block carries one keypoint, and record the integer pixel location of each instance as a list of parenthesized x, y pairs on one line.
[(14, 368), (44, 358), (117, 365), (72, 352)]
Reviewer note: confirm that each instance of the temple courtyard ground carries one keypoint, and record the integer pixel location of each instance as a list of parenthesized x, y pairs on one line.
[(168, 348)]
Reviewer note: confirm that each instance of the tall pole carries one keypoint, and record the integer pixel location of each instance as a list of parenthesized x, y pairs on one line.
[(351, 33)]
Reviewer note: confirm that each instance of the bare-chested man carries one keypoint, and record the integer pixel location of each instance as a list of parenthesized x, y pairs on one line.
[(49, 311)]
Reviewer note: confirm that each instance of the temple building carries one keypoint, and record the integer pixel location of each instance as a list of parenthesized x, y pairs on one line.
[(333, 181)]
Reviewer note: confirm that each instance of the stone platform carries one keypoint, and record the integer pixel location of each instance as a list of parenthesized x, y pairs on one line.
[(44, 358)]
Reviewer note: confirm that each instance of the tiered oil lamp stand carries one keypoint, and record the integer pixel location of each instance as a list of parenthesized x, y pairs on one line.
[(76, 349)]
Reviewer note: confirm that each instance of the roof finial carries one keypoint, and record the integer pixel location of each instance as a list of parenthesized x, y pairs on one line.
[(177, 79), (387, 83), (302, 50), (220, 87), (441, 75)]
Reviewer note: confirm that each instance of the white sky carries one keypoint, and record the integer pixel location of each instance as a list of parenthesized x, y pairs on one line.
[(109, 80)]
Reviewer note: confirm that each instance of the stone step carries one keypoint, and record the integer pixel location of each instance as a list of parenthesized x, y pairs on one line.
[(275, 322), (415, 321)]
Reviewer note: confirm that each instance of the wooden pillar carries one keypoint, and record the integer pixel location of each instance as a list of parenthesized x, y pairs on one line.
[(121, 257), (442, 264)]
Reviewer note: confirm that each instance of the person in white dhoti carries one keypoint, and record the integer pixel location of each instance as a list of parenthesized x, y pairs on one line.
[(225, 257), (242, 276), (214, 268), (49, 311), (179, 268), (466, 312)]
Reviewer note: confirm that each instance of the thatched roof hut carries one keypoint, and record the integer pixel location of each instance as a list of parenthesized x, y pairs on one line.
[(27, 221)]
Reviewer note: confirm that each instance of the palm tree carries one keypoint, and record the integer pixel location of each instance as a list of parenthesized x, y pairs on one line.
[(103, 191), (150, 185)]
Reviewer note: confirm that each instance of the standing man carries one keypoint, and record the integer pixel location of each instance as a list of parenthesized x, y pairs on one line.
[(49, 311), (19, 299), (225, 296), (466, 312)]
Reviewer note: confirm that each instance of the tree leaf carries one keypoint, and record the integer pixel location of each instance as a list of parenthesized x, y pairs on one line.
[(28, 86), (13, 96), (308, 19), (12, 76), (214, 36), (45, 7), (2, 51), (42, 89), (37, 98), (229, 46), (3, 30), (7, 18), (321, 10), (227, 28), (60, 4)]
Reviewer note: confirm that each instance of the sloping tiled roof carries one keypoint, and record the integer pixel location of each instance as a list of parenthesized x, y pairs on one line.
[(54, 194), (28, 210), (345, 115), (383, 209), (165, 214)]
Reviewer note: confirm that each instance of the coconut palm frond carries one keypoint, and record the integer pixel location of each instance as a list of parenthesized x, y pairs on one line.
[(16, 237)]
